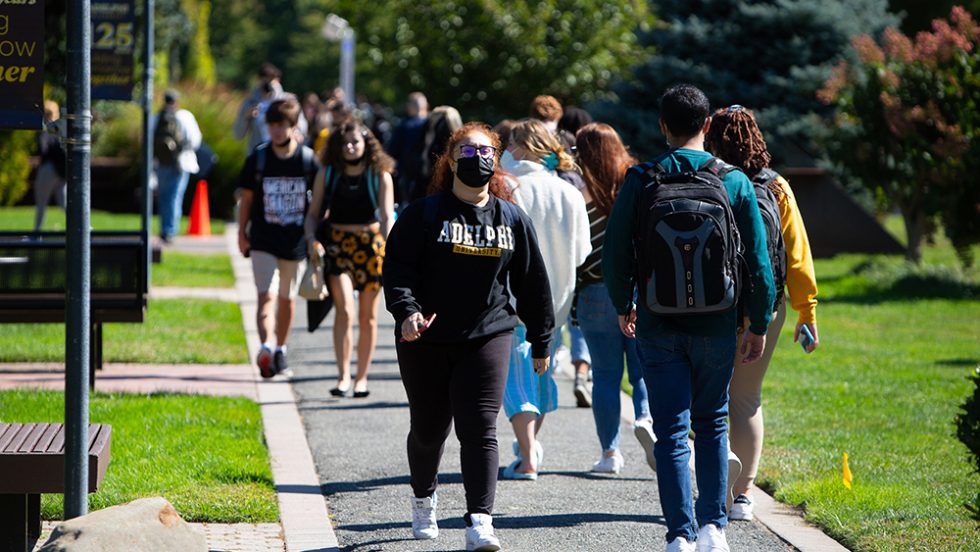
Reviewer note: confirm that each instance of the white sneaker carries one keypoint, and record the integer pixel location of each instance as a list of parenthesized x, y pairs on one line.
[(711, 538), (479, 534), (734, 470), (741, 509), (643, 430), (424, 525), (609, 463), (680, 544)]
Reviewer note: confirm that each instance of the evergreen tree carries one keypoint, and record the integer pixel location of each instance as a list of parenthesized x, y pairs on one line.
[(769, 55)]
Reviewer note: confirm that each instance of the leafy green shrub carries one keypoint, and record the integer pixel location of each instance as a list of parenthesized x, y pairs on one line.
[(215, 108), (968, 430), (15, 166)]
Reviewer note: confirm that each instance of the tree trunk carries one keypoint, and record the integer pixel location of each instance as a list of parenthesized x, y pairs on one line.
[(915, 231)]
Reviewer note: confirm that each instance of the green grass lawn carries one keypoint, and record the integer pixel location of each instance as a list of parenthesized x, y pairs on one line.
[(206, 455), (22, 218), (897, 345), (175, 331), (193, 270)]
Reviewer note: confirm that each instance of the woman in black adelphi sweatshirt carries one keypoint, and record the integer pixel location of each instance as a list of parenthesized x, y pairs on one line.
[(461, 265)]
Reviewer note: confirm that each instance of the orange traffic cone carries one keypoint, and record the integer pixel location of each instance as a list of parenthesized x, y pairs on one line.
[(200, 224)]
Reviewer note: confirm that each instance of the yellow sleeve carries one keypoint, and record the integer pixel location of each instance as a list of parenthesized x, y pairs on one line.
[(321, 142), (801, 282)]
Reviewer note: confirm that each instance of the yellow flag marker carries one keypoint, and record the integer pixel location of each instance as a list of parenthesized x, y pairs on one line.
[(847, 473)]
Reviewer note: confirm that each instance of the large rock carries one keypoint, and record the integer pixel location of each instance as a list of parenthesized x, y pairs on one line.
[(144, 525)]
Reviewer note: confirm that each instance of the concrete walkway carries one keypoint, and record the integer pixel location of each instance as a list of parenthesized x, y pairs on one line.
[(359, 447)]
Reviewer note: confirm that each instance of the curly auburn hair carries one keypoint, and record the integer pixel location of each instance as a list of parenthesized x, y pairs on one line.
[(604, 161), (377, 159), (442, 176)]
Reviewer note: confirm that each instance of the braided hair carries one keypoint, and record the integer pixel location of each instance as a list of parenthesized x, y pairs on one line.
[(735, 137)]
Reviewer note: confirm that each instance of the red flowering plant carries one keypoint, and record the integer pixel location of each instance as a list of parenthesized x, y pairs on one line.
[(908, 126)]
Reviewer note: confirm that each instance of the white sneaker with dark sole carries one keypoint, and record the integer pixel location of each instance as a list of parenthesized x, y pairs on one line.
[(741, 509)]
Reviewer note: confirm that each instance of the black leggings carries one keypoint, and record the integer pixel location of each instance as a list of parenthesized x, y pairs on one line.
[(461, 382)]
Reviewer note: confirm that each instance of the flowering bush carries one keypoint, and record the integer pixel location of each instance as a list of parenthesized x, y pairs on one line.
[(908, 126)]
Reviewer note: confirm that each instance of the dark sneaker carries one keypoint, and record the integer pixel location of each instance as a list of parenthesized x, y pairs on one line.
[(264, 362), (279, 363), (583, 398)]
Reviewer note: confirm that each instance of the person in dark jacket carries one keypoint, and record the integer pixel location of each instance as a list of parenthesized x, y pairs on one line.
[(468, 255)]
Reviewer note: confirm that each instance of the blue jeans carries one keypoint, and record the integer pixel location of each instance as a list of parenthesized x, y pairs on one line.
[(580, 350), (687, 377), (598, 321), (171, 183)]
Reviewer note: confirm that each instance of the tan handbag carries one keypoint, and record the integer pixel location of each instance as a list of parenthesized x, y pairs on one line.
[(313, 286)]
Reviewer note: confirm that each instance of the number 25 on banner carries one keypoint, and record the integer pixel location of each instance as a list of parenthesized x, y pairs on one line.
[(116, 37)]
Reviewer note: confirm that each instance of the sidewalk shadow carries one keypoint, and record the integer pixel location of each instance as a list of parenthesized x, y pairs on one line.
[(592, 476), (355, 406), (372, 484)]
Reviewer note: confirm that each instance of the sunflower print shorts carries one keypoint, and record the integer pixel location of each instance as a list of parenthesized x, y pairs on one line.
[(357, 254)]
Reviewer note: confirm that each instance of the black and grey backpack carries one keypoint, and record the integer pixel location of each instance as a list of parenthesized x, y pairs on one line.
[(769, 209), (688, 250)]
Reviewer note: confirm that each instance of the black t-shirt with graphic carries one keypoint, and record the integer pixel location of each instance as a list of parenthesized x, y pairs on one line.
[(279, 203), (475, 267)]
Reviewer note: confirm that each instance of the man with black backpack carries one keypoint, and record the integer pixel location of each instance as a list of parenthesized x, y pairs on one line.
[(684, 236), (176, 137), (275, 188)]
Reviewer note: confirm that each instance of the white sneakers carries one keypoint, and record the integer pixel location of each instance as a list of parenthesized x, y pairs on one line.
[(479, 534), (643, 430), (424, 525), (680, 544), (479, 531), (741, 509), (609, 463), (711, 538)]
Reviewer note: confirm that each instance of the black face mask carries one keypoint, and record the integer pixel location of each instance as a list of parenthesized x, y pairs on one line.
[(285, 143), (474, 171), (354, 161)]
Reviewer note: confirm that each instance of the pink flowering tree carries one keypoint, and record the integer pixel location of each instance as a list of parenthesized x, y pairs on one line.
[(908, 126)]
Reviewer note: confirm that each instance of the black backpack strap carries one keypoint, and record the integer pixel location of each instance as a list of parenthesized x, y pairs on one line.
[(717, 167), (765, 176), (309, 162), (261, 152)]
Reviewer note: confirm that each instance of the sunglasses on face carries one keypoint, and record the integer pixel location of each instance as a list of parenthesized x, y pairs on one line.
[(468, 150)]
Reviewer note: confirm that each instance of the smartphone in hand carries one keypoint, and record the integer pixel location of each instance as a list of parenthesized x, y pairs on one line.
[(806, 338)]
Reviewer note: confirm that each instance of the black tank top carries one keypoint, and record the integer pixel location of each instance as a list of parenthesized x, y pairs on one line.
[(352, 201)]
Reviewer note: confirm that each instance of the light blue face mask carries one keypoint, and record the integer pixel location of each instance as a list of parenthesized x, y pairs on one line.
[(550, 161), (507, 159)]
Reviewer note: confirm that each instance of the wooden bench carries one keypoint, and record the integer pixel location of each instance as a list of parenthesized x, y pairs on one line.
[(32, 462), (33, 281)]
